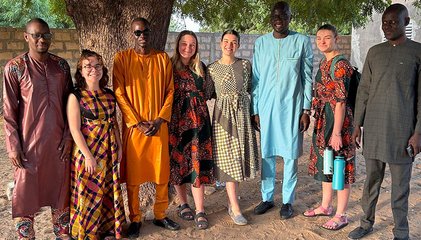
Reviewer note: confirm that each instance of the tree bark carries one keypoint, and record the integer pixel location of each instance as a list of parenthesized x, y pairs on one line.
[(103, 26)]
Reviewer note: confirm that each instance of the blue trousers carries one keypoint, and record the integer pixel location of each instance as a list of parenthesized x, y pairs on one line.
[(288, 184)]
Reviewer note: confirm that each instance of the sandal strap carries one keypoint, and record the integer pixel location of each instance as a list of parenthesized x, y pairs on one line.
[(200, 215), (184, 206), (325, 210), (342, 217)]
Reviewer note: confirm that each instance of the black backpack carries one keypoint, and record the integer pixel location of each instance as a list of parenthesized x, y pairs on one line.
[(353, 83)]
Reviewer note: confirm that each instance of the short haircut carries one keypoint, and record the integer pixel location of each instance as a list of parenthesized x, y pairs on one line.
[(399, 8), (141, 19), (36, 20), (284, 6), (233, 32), (329, 27)]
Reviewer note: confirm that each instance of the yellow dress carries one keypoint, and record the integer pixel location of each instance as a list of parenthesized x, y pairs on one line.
[(143, 85)]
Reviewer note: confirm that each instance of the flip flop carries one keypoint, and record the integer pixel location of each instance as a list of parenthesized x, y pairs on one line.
[(335, 225), (324, 212), (185, 212)]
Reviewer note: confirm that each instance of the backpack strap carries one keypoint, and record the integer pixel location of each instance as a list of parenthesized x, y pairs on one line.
[(335, 60)]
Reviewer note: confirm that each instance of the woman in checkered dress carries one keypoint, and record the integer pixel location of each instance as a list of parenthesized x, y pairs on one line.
[(190, 129), (234, 139), (96, 209)]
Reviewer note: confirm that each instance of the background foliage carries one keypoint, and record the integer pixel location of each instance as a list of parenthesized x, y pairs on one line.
[(246, 16), (15, 13)]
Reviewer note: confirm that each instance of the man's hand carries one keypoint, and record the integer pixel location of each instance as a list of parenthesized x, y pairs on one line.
[(16, 159), (255, 122), (65, 148), (154, 127), (304, 122), (143, 126), (356, 136), (415, 142)]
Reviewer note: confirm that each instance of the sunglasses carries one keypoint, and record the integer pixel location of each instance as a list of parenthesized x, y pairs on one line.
[(137, 33), (46, 36)]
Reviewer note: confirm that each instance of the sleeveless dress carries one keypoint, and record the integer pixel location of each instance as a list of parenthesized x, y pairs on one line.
[(97, 206)]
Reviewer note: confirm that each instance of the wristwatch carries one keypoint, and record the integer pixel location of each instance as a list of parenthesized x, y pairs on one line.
[(307, 111)]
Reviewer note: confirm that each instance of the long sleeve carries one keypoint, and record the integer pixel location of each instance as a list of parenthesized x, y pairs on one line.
[(11, 99), (363, 93), (69, 87), (307, 73), (255, 79), (130, 116), (165, 112), (418, 111)]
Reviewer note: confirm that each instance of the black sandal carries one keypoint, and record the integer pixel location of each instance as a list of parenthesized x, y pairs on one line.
[(185, 212), (201, 224)]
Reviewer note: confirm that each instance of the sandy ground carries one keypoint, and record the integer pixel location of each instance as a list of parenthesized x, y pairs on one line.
[(267, 226)]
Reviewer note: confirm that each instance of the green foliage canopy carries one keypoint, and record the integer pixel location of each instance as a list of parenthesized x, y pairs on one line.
[(252, 16), (18, 12), (246, 16)]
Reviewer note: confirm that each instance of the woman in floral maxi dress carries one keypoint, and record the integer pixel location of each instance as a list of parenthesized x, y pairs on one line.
[(190, 129)]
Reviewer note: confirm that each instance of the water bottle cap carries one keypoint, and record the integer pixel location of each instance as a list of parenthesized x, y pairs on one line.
[(329, 148)]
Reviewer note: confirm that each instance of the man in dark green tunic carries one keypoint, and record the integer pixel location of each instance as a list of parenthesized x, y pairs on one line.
[(389, 109)]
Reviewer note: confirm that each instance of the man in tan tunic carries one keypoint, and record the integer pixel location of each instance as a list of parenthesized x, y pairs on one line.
[(144, 88), (36, 86)]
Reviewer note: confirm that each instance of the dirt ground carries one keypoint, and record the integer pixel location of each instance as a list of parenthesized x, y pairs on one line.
[(267, 226)]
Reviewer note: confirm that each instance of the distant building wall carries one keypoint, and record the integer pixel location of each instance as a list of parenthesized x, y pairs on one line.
[(66, 44)]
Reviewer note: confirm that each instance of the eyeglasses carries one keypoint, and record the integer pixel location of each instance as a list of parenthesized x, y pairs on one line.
[(137, 33), (90, 67), (46, 36)]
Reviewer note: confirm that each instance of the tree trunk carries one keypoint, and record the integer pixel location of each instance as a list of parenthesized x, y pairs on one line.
[(104, 27)]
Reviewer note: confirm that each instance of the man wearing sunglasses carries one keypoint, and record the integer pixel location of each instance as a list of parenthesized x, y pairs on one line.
[(143, 85), (36, 86)]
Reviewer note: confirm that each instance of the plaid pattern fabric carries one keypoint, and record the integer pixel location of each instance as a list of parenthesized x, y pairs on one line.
[(96, 200), (235, 143)]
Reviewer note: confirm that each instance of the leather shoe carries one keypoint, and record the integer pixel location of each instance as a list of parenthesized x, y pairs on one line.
[(167, 223), (134, 229), (286, 211), (263, 207), (359, 232)]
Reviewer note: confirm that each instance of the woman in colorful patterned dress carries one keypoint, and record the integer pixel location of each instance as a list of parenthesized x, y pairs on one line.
[(332, 127), (96, 209), (190, 129), (234, 139)]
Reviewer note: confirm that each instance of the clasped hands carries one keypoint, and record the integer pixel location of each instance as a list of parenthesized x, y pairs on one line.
[(150, 128)]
